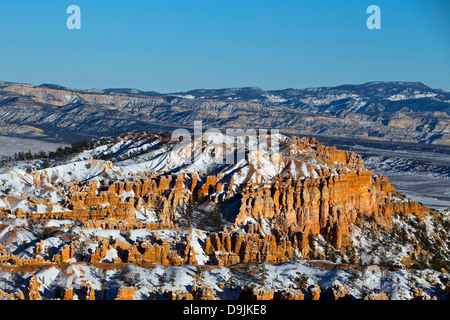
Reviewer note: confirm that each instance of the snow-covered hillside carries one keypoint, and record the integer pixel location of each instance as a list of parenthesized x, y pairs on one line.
[(128, 214)]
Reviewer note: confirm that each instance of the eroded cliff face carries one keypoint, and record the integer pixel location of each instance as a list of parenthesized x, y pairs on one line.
[(235, 214), (325, 205), (316, 190)]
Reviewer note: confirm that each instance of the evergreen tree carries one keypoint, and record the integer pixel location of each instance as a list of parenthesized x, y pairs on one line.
[(48, 253), (301, 280), (82, 250), (352, 279), (232, 280), (263, 274), (172, 278), (199, 272), (45, 163), (161, 281), (187, 210), (216, 218), (212, 220)]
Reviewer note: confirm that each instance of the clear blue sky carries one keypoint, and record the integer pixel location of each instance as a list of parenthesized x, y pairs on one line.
[(170, 46)]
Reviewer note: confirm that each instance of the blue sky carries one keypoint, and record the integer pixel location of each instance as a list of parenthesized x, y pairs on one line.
[(170, 46)]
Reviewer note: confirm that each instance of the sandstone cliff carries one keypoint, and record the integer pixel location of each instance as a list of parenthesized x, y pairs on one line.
[(163, 213)]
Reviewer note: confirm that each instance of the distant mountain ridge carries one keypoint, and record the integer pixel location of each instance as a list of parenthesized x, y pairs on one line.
[(385, 111)]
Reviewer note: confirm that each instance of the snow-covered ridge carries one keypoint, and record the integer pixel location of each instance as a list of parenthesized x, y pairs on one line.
[(40, 193), (119, 110), (417, 95), (132, 156)]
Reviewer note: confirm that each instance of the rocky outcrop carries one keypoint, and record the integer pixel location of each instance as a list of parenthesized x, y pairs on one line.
[(88, 292), (231, 248), (269, 294), (289, 294), (23, 261), (262, 294), (177, 295), (418, 294), (68, 294), (317, 190), (11, 296), (376, 296), (324, 205), (65, 253), (324, 191), (33, 288), (203, 293), (247, 215), (338, 292), (314, 292), (126, 293), (159, 253)]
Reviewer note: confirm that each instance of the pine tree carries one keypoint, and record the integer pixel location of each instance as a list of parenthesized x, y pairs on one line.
[(263, 274), (103, 285), (232, 281), (187, 211), (364, 288), (82, 249), (172, 278), (352, 279), (161, 281), (216, 218), (301, 280), (48, 252), (199, 272), (45, 163)]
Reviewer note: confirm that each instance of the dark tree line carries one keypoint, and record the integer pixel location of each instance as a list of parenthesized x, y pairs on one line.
[(206, 220), (77, 147), (60, 152)]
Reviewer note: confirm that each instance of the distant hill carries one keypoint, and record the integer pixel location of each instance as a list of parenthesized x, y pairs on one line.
[(384, 111)]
